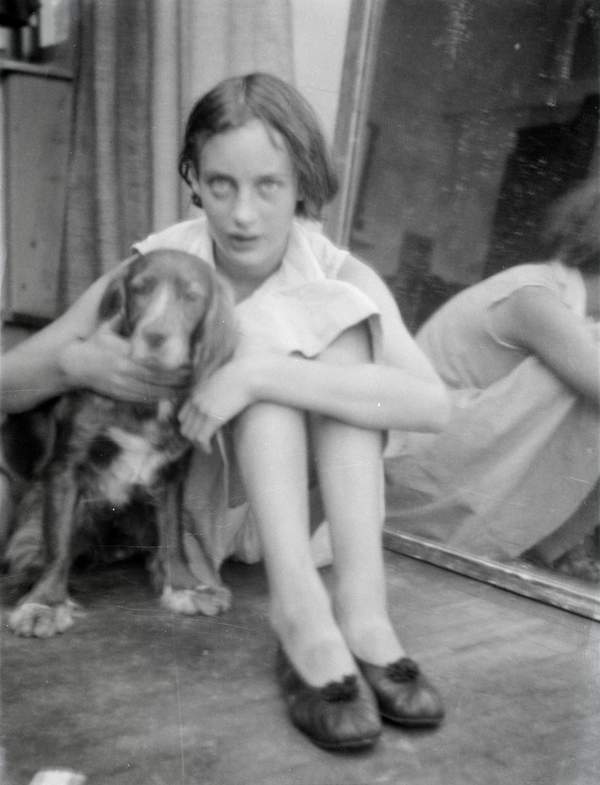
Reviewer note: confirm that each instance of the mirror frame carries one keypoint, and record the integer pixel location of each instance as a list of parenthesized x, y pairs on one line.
[(350, 147)]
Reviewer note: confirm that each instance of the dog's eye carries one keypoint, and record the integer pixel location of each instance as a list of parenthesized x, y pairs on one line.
[(193, 295), (193, 292), (142, 285)]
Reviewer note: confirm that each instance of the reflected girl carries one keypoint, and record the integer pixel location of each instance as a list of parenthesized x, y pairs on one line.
[(516, 471)]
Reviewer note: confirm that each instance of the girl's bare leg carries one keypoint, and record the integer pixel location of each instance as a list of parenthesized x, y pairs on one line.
[(350, 469), (271, 446)]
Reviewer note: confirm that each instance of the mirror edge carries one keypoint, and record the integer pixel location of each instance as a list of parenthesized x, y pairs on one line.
[(520, 578)]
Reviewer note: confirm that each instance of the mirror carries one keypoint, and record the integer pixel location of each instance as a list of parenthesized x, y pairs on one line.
[(460, 123)]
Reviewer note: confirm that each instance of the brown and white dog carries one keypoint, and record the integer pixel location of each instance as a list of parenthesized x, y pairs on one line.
[(106, 454)]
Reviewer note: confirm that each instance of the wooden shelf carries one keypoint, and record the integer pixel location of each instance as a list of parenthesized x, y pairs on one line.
[(47, 70)]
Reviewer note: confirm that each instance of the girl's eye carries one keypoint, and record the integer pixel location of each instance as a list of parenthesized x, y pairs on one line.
[(268, 187), (220, 187)]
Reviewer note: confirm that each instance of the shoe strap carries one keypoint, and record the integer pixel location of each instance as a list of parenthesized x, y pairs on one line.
[(340, 691), (404, 669)]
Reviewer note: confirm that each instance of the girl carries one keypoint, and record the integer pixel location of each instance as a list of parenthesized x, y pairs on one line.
[(516, 470), (324, 366)]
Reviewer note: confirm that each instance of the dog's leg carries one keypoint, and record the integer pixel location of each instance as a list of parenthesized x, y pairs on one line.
[(181, 591), (47, 609), (25, 556)]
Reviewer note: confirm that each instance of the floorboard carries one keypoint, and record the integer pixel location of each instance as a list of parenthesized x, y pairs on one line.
[(135, 696)]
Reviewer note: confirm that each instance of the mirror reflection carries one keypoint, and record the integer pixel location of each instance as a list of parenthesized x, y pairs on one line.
[(478, 201)]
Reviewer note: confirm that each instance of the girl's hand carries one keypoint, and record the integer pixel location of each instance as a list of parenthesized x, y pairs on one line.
[(216, 401), (101, 363)]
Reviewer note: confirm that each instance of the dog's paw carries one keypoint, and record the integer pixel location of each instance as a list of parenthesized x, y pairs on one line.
[(205, 600), (36, 620)]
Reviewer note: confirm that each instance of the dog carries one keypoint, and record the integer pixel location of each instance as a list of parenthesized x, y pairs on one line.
[(104, 455)]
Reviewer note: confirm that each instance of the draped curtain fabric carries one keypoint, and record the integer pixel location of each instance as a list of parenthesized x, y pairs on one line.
[(139, 67)]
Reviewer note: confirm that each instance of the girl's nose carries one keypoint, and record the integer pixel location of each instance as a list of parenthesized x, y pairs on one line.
[(244, 208)]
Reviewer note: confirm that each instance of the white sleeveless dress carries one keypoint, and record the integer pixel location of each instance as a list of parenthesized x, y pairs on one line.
[(520, 453)]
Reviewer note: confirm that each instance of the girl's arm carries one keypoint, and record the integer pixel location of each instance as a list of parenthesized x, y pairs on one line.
[(403, 392), (535, 319), (73, 352), (35, 369)]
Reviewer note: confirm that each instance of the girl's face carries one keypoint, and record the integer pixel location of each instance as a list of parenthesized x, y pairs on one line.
[(249, 192)]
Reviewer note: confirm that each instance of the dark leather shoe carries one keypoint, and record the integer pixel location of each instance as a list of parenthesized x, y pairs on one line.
[(342, 715), (404, 694)]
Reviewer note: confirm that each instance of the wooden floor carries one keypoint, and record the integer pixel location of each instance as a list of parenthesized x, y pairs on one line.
[(134, 696)]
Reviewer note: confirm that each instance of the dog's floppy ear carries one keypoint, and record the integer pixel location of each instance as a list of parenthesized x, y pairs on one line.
[(113, 304), (215, 338)]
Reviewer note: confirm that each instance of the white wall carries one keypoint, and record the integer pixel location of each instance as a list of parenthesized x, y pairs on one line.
[(319, 29)]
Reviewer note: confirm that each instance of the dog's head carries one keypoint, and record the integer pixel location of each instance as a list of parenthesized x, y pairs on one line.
[(174, 310)]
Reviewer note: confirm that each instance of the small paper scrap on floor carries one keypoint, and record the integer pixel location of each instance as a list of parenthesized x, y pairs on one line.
[(58, 777)]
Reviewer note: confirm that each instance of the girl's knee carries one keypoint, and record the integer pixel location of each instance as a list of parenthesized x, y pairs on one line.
[(270, 445), (272, 420), (267, 412)]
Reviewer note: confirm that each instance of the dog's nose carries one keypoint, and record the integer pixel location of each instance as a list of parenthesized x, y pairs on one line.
[(154, 339)]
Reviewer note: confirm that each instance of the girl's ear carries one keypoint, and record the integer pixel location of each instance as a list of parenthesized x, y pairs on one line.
[(216, 336), (301, 204), (194, 183)]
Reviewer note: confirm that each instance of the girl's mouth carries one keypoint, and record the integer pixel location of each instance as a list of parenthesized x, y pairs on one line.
[(242, 240)]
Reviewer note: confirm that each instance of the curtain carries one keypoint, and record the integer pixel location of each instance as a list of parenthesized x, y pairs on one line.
[(138, 68)]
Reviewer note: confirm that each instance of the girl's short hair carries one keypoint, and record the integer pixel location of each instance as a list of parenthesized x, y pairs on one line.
[(240, 99), (573, 226)]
